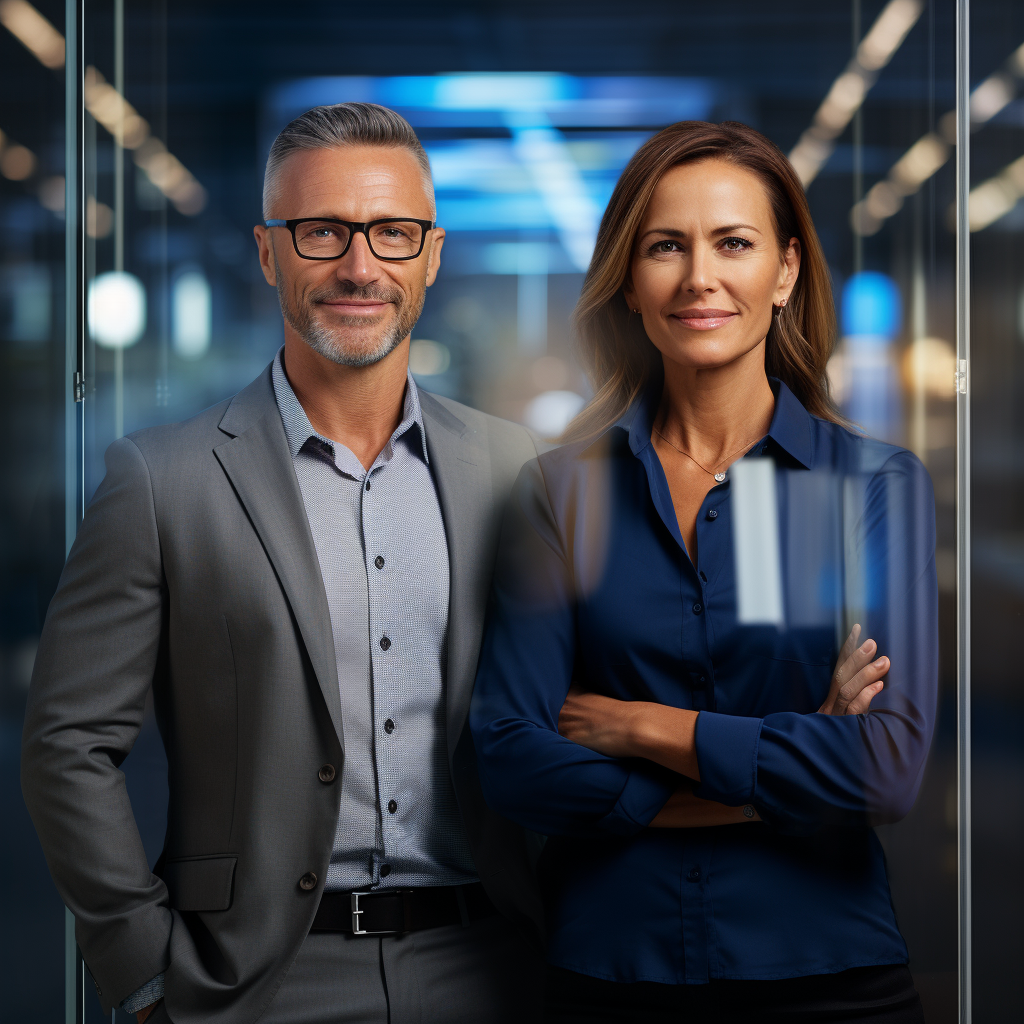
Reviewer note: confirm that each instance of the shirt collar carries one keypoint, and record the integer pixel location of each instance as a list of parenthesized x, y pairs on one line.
[(790, 427), (299, 430)]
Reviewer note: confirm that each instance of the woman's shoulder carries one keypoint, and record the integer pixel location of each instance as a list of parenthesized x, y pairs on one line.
[(848, 450)]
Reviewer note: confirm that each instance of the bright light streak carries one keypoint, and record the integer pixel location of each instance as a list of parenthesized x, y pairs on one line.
[(543, 152), (108, 107), (887, 34), (990, 97), (848, 91), (931, 152), (996, 197), (31, 29)]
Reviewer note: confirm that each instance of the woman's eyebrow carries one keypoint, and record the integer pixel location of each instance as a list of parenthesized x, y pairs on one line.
[(677, 233)]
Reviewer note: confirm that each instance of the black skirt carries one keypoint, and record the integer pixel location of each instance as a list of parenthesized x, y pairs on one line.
[(879, 995)]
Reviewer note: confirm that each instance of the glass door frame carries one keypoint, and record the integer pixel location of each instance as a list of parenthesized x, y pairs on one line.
[(75, 406)]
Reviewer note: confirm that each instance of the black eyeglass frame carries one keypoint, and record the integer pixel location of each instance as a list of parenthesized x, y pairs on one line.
[(355, 228)]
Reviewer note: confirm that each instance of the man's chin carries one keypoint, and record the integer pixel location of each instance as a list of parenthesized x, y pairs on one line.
[(354, 352)]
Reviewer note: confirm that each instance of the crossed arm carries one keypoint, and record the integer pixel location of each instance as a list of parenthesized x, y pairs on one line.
[(667, 735)]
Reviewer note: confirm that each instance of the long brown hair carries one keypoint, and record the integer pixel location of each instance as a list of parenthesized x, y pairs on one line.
[(614, 348)]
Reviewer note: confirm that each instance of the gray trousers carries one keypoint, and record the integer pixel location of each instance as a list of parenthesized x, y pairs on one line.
[(483, 973)]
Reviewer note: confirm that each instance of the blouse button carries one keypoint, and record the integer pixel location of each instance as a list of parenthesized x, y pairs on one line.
[(694, 874), (712, 513), (697, 608)]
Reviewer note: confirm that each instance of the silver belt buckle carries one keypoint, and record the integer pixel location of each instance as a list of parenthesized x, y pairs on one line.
[(357, 912)]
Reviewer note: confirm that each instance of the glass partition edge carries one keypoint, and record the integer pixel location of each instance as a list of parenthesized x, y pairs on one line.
[(963, 502)]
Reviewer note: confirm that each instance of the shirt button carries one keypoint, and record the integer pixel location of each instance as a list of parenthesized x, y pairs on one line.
[(694, 874), (392, 806), (702, 679), (385, 870), (389, 726), (367, 484), (712, 513), (326, 773), (307, 881), (385, 643), (697, 608), (379, 561)]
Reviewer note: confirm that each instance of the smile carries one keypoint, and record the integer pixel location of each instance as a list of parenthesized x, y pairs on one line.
[(704, 319), (356, 307)]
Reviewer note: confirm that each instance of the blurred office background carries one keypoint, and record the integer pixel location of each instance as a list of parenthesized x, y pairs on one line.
[(529, 110)]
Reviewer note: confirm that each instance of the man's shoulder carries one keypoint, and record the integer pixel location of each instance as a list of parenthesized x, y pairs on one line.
[(201, 433), (478, 427)]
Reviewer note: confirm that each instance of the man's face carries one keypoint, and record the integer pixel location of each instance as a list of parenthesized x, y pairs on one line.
[(356, 309)]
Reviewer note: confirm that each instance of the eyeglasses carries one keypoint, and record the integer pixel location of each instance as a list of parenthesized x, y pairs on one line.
[(317, 239)]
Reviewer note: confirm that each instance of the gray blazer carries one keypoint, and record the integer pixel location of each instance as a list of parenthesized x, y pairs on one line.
[(194, 573)]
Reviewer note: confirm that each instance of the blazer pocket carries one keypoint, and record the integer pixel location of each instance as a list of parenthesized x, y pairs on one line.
[(200, 883)]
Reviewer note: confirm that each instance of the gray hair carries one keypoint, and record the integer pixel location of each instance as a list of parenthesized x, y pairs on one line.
[(343, 124)]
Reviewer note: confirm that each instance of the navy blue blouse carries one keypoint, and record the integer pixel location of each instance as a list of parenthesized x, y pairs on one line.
[(593, 583)]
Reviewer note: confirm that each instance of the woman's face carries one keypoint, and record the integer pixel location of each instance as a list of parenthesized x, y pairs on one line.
[(706, 268)]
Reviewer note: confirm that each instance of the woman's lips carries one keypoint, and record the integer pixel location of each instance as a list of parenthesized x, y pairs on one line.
[(704, 319)]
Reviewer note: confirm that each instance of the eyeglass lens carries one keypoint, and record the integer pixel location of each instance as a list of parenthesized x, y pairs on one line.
[(392, 239)]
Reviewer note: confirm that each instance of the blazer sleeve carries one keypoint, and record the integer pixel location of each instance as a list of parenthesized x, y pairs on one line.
[(803, 772), (529, 772), (98, 655)]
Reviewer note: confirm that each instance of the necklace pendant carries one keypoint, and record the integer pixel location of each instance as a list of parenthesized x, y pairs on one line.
[(720, 477)]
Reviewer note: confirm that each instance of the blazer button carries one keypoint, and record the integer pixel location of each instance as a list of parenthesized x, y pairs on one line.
[(326, 773), (307, 881)]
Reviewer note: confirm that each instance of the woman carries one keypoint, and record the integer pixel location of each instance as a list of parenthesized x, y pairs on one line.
[(707, 788)]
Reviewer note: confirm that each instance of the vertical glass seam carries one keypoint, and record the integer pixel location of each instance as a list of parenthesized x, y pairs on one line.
[(963, 498)]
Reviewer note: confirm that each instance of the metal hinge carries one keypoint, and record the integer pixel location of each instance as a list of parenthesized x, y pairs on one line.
[(79, 386), (960, 378)]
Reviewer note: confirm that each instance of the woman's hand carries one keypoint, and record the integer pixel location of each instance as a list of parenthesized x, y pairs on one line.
[(857, 679), (600, 723)]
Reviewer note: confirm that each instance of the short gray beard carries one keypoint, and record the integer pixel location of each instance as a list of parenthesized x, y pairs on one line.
[(321, 338)]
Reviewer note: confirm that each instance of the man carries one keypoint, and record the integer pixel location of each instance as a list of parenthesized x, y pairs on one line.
[(300, 573)]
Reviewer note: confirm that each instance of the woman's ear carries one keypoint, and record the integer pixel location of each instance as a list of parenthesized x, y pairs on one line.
[(628, 294), (789, 271)]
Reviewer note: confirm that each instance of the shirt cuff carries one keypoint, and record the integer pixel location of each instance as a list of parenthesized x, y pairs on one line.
[(727, 757), (646, 791), (145, 996)]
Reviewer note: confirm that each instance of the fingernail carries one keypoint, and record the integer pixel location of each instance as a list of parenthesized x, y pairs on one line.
[(868, 646), (880, 662)]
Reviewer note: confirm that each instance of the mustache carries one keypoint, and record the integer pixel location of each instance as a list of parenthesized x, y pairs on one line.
[(373, 292)]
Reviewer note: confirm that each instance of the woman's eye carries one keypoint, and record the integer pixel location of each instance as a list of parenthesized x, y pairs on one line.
[(736, 244), (665, 247)]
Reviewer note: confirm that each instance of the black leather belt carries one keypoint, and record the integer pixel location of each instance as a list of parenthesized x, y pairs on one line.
[(397, 911)]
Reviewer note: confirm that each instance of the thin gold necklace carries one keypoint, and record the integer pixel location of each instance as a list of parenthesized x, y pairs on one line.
[(719, 477)]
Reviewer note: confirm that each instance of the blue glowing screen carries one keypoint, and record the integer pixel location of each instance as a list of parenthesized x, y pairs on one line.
[(524, 164)]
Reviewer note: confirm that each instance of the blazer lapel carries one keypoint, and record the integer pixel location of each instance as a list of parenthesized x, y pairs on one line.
[(258, 463), (462, 473)]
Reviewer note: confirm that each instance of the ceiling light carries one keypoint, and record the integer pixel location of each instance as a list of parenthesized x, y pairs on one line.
[(991, 96), (848, 91), (887, 33), (24, 22), (16, 162)]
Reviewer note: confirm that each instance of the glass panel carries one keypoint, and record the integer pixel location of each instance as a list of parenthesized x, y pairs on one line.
[(997, 538), (183, 102)]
